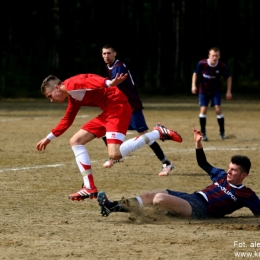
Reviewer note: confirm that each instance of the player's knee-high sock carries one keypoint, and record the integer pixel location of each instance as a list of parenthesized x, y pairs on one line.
[(221, 123), (159, 152), (203, 121), (84, 164), (137, 142)]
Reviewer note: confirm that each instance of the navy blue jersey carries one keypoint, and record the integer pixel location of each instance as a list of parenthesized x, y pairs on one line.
[(223, 197), (208, 76), (127, 86)]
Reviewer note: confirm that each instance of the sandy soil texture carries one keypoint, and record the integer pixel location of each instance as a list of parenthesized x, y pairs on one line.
[(38, 221)]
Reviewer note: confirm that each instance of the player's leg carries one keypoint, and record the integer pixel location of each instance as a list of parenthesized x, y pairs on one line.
[(160, 199), (125, 205), (203, 103), (117, 120), (82, 158), (138, 124), (118, 149), (220, 116), (159, 132), (116, 129)]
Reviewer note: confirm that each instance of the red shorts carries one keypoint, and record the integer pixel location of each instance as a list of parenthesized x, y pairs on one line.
[(113, 122)]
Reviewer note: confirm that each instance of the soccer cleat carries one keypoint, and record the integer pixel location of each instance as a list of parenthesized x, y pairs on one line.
[(167, 134), (222, 136), (166, 169), (102, 201), (204, 137), (111, 162), (84, 193)]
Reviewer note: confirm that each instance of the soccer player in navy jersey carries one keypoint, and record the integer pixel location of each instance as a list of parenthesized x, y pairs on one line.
[(225, 195), (137, 122), (206, 81)]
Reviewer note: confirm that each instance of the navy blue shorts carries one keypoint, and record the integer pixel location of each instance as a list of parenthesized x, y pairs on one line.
[(215, 100), (198, 204), (137, 122)]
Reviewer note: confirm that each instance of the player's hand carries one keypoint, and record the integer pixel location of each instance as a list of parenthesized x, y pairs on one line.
[(228, 96), (194, 90), (118, 79), (197, 135), (42, 144)]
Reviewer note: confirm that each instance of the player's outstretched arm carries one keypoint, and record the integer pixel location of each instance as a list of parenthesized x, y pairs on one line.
[(200, 155)]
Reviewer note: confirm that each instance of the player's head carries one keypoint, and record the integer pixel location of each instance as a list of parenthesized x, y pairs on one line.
[(51, 89), (214, 55), (238, 170), (243, 162), (109, 54)]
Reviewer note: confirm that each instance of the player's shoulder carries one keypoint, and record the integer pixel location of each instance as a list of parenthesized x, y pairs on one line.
[(119, 63), (245, 192), (202, 64), (204, 61), (222, 64)]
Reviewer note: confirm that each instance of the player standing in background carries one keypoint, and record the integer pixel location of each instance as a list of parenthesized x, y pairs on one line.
[(224, 195), (207, 76), (137, 122), (95, 91)]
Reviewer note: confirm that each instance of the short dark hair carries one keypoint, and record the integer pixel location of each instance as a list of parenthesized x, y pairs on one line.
[(109, 46), (215, 49), (242, 161), (49, 82)]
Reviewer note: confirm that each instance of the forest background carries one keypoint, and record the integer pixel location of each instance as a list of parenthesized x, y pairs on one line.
[(161, 41)]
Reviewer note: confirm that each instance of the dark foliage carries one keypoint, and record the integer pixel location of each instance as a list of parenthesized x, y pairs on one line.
[(160, 40)]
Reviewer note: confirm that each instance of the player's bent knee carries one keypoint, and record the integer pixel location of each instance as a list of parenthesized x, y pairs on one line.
[(158, 198)]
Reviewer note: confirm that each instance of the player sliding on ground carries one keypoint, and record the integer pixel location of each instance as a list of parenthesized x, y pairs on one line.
[(95, 91), (225, 195)]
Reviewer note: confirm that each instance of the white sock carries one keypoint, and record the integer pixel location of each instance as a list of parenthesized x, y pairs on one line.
[(82, 157), (133, 144), (140, 201), (84, 164), (202, 116)]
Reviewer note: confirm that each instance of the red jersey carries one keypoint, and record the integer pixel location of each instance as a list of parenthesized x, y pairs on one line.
[(87, 90)]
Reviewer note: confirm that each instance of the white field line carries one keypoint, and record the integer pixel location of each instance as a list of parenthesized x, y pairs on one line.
[(174, 150), (10, 119), (31, 167), (213, 149)]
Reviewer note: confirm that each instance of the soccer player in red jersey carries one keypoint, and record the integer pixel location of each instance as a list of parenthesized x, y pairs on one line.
[(137, 123), (224, 195), (206, 81), (95, 91)]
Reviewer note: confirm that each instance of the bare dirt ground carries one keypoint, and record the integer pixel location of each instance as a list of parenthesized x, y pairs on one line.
[(38, 221)]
